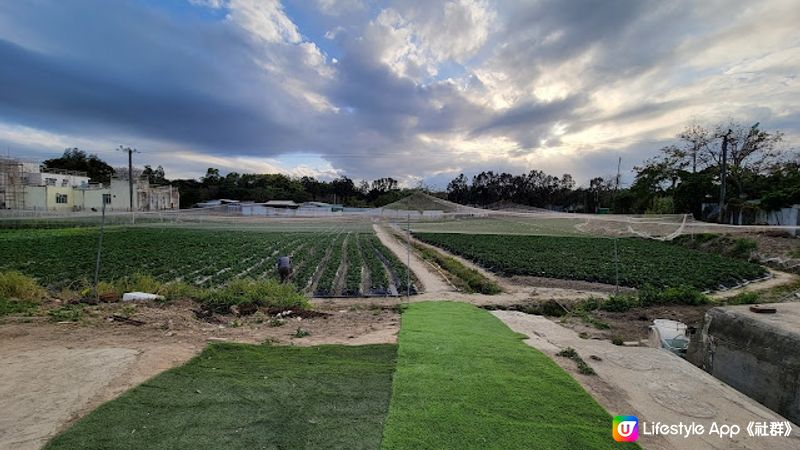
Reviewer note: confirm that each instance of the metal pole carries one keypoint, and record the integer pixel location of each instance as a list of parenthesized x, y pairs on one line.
[(616, 264), (99, 250), (408, 257), (723, 176), (130, 177)]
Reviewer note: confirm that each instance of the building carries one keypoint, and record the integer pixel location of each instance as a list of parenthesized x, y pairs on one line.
[(28, 186)]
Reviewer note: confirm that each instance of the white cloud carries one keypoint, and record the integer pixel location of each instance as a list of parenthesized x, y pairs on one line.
[(263, 19), (415, 39)]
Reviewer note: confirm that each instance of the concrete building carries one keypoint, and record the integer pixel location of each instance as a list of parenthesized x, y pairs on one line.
[(26, 185)]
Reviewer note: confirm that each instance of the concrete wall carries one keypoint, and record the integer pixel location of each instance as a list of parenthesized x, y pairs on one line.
[(757, 354), (53, 192), (86, 199), (35, 198)]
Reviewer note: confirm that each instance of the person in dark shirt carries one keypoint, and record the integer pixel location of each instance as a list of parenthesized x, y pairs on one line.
[(284, 268)]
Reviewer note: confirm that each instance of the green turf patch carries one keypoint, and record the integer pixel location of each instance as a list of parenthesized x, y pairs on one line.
[(243, 396), (465, 380)]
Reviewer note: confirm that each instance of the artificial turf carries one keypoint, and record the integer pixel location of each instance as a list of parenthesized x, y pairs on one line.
[(250, 397), (465, 380)]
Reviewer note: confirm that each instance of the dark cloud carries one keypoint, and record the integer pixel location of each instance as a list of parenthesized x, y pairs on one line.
[(401, 99)]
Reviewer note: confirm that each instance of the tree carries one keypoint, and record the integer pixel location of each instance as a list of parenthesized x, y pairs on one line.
[(96, 169), (154, 176), (211, 177), (458, 190)]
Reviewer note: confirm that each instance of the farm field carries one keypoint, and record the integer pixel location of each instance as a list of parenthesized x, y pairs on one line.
[(330, 262), (249, 396), (641, 262), (503, 225)]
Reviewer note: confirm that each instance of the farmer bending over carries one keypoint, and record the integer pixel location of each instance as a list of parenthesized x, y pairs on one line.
[(284, 268)]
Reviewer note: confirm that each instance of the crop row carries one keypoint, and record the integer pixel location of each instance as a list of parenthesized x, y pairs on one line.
[(208, 258), (639, 262)]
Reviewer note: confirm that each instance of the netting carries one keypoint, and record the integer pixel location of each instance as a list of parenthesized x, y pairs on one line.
[(420, 212)]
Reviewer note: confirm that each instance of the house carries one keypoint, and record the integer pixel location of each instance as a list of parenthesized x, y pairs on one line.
[(28, 186)]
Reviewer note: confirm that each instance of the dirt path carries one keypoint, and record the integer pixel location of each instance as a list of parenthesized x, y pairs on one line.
[(778, 279), (430, 280), (437, 288), (653, 385)]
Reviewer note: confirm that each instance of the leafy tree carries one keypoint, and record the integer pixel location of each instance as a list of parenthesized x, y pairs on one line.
[(75, 159)]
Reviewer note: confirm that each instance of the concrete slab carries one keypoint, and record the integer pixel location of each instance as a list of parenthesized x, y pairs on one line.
[(656, 386), (758, 354)]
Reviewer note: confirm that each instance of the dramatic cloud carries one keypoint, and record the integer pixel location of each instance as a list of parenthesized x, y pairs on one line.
[(414, 89)]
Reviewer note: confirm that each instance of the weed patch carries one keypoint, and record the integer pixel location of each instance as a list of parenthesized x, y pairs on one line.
[(464, 278), (21, 307), (15, 285), (583, 368), (67, 313), (743, 298), (243, 291)]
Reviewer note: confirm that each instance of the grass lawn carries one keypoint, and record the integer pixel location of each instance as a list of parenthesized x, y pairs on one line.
[(250, 397), (465, 380)]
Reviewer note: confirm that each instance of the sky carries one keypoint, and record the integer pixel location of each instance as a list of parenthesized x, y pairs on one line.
[(418, 90)]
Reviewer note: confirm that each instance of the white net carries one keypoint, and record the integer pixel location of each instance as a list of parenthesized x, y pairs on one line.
[(419, 211)]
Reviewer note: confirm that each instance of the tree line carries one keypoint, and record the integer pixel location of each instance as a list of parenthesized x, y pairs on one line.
[(681, 178)]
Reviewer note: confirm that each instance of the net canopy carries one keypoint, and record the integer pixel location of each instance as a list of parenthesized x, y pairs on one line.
[(420, 212)]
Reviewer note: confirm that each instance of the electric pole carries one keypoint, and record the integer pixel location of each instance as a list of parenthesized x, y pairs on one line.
[(723, 176), (130, 152)]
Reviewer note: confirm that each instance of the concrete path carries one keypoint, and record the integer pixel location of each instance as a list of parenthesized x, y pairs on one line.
[(655, 386)]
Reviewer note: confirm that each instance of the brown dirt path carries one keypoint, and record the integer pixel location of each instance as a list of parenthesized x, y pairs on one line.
[(431, 281)]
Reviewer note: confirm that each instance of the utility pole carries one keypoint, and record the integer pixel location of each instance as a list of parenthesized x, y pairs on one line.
[(130, 151), (616, 237), (99, 250), (723, 176)]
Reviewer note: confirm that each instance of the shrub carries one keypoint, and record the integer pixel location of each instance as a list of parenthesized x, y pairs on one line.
[(15, 285), (179, 290), (676, 295), (620, 303), (742, 248), (67, 313), (743, 298), (301, 333), (240, 291), (137, 283), (25, 307)]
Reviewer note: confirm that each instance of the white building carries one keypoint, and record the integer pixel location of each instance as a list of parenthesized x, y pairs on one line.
[(28, 186)]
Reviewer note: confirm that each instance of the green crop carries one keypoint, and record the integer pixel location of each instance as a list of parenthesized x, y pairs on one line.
[(641, 262)]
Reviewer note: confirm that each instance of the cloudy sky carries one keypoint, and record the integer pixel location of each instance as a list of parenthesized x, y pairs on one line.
[(414, 89)]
